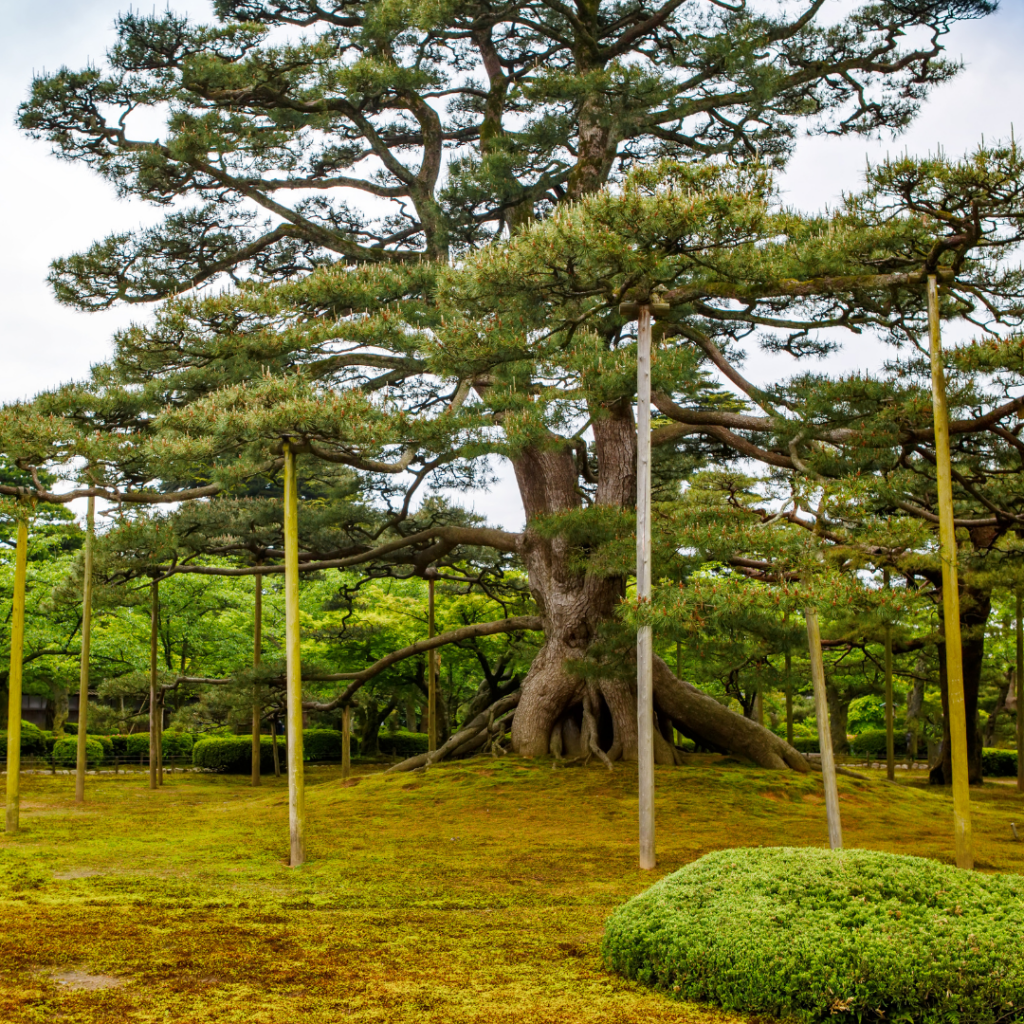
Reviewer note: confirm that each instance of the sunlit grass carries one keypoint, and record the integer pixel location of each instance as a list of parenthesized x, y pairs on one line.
[(476, 892)]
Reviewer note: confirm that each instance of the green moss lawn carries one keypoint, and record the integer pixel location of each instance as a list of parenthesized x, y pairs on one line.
[(474, 893)]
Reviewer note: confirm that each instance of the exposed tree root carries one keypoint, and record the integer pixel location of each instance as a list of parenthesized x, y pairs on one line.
[(575, 735), (487, 727), (696, 713)]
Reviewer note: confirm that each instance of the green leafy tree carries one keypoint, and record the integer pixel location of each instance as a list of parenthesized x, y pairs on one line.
[(538, 106)]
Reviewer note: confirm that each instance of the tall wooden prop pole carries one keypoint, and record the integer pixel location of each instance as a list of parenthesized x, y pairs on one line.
[(257, 652), (431, 674), (828, 762), (346, 741), (1018, 684), (788, 687), (644, 638), (14, 678), (296, 780), (83, 670), (950, 592), (890, 711), (154, 626)]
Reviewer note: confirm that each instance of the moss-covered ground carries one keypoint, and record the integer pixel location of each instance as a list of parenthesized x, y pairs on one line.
[(475, 892)]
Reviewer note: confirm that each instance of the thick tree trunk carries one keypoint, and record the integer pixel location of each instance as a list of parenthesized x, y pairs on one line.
[(563, 712), (838, 717), (975, 607), (915, 701), (1002, 706), (60, 709)]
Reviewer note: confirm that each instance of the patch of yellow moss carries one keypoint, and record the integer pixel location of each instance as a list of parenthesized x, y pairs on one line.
[(475, 892)]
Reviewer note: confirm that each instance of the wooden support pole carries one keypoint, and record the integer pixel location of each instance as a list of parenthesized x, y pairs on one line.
[(274, 748), (890, 711), (161, 696), (296, 779), (789, 685), (644, 635), (346, 741), (83, 664), (828, 762), (1018, 684), (154, 626), (257, 653), (431, 672), (14, 677), (950, 592)]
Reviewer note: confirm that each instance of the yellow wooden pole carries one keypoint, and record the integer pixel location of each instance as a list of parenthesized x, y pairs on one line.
[(296, 779), (950, 592), (14, 678), (890, 711), (154, 626), (346, 741), (1018, 684), (828, 763), (83, 670), (257, 652), (789, 687), (431, 673)]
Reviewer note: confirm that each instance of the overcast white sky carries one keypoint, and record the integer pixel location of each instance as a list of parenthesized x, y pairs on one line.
[(49, 208)]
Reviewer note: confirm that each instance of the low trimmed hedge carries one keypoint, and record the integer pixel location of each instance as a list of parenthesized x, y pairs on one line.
[(135, 746), (177, 744), (33, 741), (65, 752), (816, 935), (321, 745), (806, 744), (402, 743), (871, 743), (105, 742), (131, 746), (998, 763), (234, 753)]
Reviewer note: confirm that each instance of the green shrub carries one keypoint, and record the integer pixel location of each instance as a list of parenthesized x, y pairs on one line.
[(403, 744), (321, 745), (234, 753), (806, 744), (997, 763), (870, 743), (137, 747), (33, 741), (177, 744), (65, 752), (819, 935), (105, 742), (70, 728)]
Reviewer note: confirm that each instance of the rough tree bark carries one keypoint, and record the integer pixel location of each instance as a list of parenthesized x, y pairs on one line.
[(838, 717), (1003, 705), (975, 605)]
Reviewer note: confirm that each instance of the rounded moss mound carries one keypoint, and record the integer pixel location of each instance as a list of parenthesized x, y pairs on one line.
[(815, 935)]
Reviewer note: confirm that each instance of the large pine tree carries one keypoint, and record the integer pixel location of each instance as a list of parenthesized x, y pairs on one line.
[(395, 136)]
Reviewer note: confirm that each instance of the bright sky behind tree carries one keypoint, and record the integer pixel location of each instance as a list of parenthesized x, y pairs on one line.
[(50, 208)]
